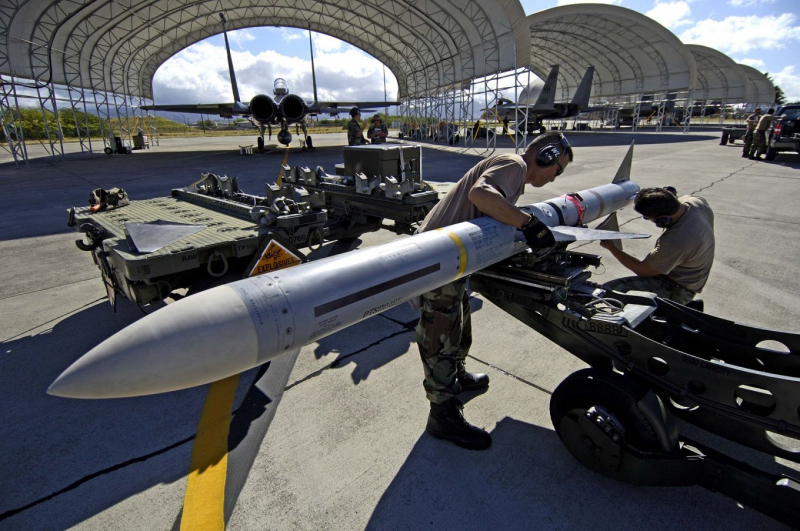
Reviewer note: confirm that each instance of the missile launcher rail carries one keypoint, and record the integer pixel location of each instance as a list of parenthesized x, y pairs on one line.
[(233, 226), (653, 360)]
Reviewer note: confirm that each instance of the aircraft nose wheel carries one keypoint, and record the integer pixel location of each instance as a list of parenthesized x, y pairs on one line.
[(600, 415)]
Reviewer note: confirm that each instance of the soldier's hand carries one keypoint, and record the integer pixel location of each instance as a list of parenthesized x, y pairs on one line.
[(537, 234)]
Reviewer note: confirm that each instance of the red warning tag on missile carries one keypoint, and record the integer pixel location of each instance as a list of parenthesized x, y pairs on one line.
[(275, 257)]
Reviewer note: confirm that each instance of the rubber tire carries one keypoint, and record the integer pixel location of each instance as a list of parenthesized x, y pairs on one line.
[(770, 154), (731, 140), (616, 393), (542, 129), (260, 142), (724, 140), (108, 151)]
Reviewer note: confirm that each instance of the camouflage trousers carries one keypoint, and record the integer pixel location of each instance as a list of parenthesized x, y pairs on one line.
[(759, 146), (660, 285), (748, 142), (444, 335)]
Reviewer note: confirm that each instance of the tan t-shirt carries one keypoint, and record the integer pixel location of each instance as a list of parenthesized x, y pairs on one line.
[(685, 251), (765, 122), (752, 121), (504, 173)]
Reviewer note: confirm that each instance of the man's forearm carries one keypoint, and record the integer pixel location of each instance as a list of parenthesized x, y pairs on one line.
[(639, 267), (495, 205)]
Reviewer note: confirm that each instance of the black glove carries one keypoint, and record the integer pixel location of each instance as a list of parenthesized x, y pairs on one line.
[(537, 234)]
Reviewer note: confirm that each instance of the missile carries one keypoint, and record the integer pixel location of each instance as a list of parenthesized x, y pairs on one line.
[(235, 327)]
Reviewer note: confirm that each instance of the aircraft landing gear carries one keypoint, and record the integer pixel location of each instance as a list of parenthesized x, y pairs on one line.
[(307, 144), (260, 142)]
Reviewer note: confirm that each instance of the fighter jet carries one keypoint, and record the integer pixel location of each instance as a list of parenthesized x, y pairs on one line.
[(264, 112), (545, 107)]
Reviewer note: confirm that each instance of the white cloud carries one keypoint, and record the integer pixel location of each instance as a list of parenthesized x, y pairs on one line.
[(671, 14), (742, 34), (749, 3), (239, 37), (568, 2), (199, 74), (288, 35), (789, 82), (325, 43), (758, 64)]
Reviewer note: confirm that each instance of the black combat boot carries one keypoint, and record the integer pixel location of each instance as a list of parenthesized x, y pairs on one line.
[(471, 381), (446, 421)]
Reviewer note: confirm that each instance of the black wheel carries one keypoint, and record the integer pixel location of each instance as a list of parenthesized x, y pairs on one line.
[(731, 140), (260, 142), (108, 151), (770, 154), (542, 129), (724, 139), (595, 414)]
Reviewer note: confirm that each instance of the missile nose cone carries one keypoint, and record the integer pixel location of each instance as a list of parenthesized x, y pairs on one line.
[(191, 342)]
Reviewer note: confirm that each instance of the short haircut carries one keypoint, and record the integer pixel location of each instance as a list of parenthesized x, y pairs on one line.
[(654, 202), (550, 137), (771, 111)]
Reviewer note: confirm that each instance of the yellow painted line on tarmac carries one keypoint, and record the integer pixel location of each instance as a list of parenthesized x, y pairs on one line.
[(204, 501), (462, 251)]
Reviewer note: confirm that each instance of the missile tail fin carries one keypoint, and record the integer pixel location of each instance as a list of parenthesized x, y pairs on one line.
[(624, 171), (611, 223), (565, 233)]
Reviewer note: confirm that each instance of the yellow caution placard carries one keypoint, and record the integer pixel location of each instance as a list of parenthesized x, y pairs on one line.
[(275, 257)]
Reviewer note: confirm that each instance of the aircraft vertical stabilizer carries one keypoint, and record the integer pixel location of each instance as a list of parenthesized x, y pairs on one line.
[(581, 97), (234, 86), (624, 171), (548, 94), (313, 75)]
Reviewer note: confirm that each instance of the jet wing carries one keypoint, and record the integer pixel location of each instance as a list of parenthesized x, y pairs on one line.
[(339, 107), (563, 233), (222, 109)]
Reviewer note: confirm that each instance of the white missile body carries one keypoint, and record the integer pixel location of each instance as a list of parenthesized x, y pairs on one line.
[(238, 326)]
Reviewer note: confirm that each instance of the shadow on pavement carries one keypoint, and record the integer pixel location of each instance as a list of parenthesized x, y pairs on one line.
[(528, 480), (34, 199), (79, 443)]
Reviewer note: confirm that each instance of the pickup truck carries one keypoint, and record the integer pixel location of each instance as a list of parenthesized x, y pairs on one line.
[(785, 134)]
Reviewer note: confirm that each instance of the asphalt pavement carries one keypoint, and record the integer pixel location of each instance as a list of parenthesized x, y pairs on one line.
[(345, 447)]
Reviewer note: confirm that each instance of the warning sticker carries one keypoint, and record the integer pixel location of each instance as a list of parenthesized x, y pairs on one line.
[(274, 257)]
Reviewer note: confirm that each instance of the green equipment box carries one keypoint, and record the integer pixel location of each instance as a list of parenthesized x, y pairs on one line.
[(403, 162)]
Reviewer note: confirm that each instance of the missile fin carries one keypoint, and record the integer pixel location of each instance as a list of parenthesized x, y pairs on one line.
[(564, 233), (611, 223), (624, 171)]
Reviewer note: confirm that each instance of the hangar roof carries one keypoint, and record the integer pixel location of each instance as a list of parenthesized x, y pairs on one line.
[(719, 77), (117, 45), (631, 53), (762, 88)]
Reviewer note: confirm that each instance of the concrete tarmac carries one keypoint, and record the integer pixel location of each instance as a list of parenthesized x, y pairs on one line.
[(347, 448)]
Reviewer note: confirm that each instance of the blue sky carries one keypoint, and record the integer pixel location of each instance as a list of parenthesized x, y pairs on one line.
[(764, 34)]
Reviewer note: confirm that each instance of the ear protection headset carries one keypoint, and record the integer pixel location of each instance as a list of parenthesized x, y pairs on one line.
[(663, 222), (550, 153)]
